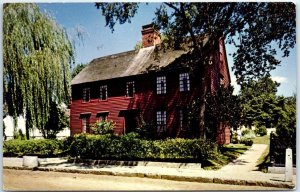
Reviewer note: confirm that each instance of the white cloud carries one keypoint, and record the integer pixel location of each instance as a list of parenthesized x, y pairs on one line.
[(279, 79), (235, 85)]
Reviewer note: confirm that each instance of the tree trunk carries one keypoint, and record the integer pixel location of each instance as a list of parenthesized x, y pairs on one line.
[(203, 92)]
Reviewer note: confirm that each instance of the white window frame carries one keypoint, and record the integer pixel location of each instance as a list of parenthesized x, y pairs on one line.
[(128, 87), (161, 85), (184, 82), (86, 98), (85, 123), (101, 93), (161, 121)]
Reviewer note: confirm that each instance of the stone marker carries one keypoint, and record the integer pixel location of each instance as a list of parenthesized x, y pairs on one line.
[(288, 165), (30, 161)]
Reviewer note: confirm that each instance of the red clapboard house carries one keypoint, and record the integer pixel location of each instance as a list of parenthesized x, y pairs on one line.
[(136, 86)]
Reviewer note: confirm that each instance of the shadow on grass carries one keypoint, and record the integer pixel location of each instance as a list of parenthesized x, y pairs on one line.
[(226, 155)]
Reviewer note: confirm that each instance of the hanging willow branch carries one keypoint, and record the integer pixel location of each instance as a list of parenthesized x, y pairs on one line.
[(37, 58)]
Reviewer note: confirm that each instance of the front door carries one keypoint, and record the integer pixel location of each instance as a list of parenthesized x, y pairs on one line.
[(130, 123), (130, 120)]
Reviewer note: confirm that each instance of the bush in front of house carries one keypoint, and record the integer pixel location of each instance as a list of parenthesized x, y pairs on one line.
[(42, 147), (103, 127), (248, 134), (261, 130), (247, 141), (132, 147)]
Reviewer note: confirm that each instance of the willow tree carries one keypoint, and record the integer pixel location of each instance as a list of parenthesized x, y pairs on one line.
[(37, 58), (254, 28)]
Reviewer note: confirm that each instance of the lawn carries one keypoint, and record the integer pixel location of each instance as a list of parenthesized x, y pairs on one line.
[(227, 153), (264, 160)]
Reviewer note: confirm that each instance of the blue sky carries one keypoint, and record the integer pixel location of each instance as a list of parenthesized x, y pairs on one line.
[(98, 40)]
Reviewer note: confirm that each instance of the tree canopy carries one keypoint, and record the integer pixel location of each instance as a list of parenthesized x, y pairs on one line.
[(253, 27), (37, 55)]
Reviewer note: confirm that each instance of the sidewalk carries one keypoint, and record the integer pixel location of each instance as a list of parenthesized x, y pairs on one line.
[(242, 171)]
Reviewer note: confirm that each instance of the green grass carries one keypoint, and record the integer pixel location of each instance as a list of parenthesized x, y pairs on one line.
[(227, 154), (264, 160), (262, 140)]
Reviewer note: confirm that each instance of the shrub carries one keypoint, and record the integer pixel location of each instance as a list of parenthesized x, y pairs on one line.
[(247, 142), (261, 131), (43, 147), (245, 132), (248, 134), (103, 127), (130, 146)]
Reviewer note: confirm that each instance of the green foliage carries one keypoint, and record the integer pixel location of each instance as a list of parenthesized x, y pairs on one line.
[(223, 107), (19, 135), (286, 129), (247, 141), (259, 26), (37, 55), (260, 105), (245, 132), (43, 147), (103, 127), (261, 131), (77, 70), (248, 134), (130, 146), (57, 121), (254, 28), (138, 45)]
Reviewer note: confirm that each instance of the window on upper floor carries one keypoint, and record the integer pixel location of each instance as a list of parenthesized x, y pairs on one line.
[(86, 95), (103, 92), (161, 119), (130, 89), (184, 82), (161, 87)]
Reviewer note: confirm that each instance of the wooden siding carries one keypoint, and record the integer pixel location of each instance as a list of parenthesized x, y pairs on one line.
[(145, 99)]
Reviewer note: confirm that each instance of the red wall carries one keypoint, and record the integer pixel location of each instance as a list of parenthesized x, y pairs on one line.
[(145, 100)]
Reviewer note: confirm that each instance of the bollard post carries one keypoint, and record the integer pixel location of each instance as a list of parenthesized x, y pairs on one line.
[(288, 165)]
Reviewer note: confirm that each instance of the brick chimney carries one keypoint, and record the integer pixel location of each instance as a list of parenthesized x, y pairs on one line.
[(150, 36)]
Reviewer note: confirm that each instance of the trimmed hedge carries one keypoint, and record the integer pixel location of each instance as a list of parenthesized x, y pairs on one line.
[(131, 147), (126, 147), (42, 147)]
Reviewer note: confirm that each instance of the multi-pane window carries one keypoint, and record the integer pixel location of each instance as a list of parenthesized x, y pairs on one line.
[(102, 116), (85, 124), (183, 119), (130, 90), (161, 85), (184, 82), (161, 119), (86, 95), (103, 92)]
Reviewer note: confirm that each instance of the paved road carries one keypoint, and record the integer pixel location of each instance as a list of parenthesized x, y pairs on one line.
[(37, 180)]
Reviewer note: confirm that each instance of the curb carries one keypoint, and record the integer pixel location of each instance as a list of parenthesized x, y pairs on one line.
[(167, 177)]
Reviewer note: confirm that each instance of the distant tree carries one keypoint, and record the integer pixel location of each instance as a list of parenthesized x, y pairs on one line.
[(252, 27), (37, 55), (77, 69), (138, 45), (259, 103)]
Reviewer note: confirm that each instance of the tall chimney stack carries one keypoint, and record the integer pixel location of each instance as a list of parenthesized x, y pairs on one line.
[(150, 36)]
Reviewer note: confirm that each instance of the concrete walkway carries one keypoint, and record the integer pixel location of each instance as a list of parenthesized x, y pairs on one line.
[(242, 171)]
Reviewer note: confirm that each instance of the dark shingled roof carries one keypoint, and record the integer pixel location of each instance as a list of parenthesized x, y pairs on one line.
[(126, 64)]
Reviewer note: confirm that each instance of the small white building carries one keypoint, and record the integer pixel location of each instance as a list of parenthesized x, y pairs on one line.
[(9, 129)]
